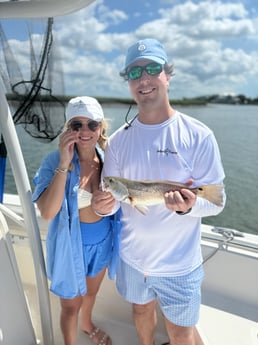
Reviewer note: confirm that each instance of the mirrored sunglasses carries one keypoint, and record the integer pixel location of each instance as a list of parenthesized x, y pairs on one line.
[(152, 68), (76, 125)]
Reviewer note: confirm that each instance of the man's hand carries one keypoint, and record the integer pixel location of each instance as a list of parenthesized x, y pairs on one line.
[(180, 201)]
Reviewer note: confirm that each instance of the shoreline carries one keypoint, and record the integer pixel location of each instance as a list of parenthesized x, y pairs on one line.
[(63, 99)]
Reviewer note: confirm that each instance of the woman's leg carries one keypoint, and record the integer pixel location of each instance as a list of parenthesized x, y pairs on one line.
[(69, 319), (93, 285)]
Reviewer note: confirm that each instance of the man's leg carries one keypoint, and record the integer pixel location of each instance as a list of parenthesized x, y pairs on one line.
[(135, 288), (180, 299), (145, 319), (179, 335)]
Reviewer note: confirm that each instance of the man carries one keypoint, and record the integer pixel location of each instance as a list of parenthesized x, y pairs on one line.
[(160, 253)]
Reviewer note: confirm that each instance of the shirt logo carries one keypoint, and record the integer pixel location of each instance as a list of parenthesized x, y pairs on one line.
[(167, 152)]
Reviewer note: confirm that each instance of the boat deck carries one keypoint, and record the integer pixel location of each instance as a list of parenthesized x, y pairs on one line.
[(111, 312), (114, 315)]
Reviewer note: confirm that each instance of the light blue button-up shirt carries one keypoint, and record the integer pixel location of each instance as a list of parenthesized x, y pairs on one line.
[(65, 265)]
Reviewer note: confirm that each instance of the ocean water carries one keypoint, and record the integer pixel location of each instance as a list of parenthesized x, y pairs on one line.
[(236, 130)]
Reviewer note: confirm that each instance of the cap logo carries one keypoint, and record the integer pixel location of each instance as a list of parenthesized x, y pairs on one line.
[(142, 47), (79, 104)]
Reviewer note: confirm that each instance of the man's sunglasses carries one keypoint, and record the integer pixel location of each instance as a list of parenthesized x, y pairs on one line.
[(152, 68), (76, 125)]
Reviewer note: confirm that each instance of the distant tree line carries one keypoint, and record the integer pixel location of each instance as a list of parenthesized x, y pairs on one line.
[(217, 98), (229, 99)]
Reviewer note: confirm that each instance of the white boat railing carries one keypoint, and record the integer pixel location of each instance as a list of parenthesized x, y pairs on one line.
[(31, 9), (12, 215), (30, 220), (13, 300), (231, 272)]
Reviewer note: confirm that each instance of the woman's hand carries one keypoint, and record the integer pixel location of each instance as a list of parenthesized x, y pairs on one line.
[(66, 147)]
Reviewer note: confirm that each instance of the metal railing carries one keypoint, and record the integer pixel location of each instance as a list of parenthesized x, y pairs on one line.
[(30, 220)]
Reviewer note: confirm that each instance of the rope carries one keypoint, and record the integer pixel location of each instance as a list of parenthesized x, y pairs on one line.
[(41, 114), (228, 235)]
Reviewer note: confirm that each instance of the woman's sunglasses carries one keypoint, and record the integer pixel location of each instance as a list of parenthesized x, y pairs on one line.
[(76, 125), (152, 68)]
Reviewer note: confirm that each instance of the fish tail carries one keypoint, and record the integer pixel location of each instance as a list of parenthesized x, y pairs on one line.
[(213, 193)]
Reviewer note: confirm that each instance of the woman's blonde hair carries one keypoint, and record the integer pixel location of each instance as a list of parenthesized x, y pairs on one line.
[(103, 138)]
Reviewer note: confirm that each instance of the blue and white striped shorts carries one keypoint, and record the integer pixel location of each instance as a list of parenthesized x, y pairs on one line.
[(178, 297)]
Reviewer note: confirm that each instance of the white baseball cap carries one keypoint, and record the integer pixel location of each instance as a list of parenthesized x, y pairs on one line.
[(84, 106)]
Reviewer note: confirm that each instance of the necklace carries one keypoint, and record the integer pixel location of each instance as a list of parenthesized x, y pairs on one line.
[(93, 165)]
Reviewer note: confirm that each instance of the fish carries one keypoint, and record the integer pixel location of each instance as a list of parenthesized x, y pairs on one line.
[(141, 194)]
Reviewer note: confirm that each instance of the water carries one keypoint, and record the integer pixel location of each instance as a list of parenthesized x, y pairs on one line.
[(236, 130)]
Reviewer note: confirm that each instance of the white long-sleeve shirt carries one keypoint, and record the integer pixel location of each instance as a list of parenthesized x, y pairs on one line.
[(163, 242)]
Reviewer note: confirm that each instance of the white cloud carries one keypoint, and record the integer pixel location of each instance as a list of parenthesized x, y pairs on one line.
[(211, 44), (113, 18)]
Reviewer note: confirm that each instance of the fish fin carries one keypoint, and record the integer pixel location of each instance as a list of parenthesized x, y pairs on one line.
[(142, 209), (213, 193)]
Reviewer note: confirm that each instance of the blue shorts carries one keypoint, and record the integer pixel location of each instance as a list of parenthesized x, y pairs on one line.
[(97, 241), (178, 297)]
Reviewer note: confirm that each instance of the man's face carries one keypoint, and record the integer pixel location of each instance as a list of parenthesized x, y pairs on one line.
[(147, 87)]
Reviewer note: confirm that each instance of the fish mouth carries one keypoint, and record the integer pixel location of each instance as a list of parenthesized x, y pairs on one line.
[(104, 185)]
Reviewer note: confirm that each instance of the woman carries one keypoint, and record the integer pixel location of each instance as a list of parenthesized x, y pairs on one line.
[(79, 241)]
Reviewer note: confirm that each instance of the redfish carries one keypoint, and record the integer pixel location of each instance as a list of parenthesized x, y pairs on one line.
[(141, 194)]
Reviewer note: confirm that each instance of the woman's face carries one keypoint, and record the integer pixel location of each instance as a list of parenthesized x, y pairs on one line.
[(87, 130)]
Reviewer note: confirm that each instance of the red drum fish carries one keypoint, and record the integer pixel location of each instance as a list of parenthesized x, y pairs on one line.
[(141, 194)]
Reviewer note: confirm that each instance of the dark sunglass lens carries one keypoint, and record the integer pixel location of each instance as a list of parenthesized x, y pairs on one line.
[(153, 69), (135, 72), (93, 125), (76, 125)]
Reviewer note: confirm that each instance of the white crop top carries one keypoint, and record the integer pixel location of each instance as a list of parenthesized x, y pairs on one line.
[(84, 198)]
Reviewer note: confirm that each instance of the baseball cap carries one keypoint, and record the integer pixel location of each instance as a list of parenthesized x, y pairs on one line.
[(148, 48), (84, 106)]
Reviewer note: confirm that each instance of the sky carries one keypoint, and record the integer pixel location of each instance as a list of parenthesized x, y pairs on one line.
[(213, 45)]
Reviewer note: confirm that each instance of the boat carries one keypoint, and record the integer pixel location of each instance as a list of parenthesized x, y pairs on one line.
[(30, 314)]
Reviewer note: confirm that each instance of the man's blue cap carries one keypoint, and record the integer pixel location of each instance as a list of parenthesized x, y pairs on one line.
[(148, 48)]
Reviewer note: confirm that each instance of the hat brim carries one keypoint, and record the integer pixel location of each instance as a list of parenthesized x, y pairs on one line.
[(147, 57), (86, 115)]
